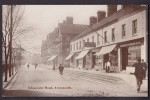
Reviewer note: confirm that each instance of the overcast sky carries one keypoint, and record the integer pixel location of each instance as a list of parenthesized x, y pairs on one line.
[(44, 18)]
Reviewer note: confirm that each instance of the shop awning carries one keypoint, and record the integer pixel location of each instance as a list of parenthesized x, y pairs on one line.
[(52, 58), (69, 56), (106, 49), (82, 54)]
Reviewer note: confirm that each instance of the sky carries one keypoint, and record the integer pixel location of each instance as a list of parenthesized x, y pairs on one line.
[(45, 18)]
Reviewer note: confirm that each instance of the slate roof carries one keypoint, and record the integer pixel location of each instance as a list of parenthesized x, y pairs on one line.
[(112, 18), (71, 28)]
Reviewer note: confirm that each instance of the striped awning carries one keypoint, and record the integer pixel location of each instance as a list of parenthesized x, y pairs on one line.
[(69, 56), (82, 54), (106, 49), (52, 58)]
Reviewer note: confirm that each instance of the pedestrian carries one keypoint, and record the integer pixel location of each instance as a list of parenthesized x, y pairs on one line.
[(61, 68), (54, 67), (144, 65), (36, 65), (139, 73), (108, 66), (105, 66), (28, 66)]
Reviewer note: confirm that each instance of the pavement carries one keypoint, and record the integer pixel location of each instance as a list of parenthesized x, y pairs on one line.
[(9, 78)]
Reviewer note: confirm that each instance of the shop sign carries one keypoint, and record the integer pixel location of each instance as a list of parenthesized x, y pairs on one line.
[(131, 44), (89, 44)]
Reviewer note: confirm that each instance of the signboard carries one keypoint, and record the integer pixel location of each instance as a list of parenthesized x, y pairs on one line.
[(89, 44), (131, 44)]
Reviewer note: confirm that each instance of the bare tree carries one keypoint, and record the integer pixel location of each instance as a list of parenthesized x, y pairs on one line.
[(12, 28)]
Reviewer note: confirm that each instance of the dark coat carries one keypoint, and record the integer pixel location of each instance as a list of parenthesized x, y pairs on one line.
[(144, 65), (61, 67), (139, 71)]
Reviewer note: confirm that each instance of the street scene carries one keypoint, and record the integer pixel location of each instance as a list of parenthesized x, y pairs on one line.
[(64, 51)]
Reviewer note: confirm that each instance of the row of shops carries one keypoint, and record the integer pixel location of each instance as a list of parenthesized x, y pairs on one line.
[(122, 56)]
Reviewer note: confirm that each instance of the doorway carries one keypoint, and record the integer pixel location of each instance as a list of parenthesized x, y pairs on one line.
[(124, 51)]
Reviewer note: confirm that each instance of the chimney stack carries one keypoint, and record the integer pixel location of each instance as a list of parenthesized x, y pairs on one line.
[(69, 20), (100, 15), (131, 6), (93, 20), (111, 9)]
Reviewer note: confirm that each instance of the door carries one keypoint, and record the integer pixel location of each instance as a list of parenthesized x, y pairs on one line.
[(124, 57)]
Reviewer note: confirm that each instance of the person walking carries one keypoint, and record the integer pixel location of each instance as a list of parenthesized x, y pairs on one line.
[(61, 68), (139, 73), (144, 65), (36, 65), (28, 66)]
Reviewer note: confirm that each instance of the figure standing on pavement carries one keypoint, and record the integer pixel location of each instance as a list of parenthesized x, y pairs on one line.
[(28, 66), (139, 73), (144, 67), (61, 68), (108, 66), (54, 67)]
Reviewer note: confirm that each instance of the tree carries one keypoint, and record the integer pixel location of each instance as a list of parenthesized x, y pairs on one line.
[(12, 28)]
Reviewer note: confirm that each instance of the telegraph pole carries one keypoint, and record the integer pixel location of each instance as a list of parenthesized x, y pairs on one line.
[(10, 44)]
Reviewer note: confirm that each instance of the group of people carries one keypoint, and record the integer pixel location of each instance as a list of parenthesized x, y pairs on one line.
[(61, 68), (140, 72), (34, 65)]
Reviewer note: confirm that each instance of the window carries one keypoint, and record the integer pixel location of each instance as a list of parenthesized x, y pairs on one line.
[(98, 42), (83, 43), (87, 39), (134, 27), (74, 46), (105, 36), (77, 45), (123, 30), (80, 44), (92, 38), (70, 47), (113, 34)]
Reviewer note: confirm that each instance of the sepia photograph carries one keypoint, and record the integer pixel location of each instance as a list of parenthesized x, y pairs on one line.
[(75, 50)]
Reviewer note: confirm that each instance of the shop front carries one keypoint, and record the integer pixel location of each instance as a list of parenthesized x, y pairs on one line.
[(84, 59), (108, 53), (130, 52), (69, 59), (53, 60)]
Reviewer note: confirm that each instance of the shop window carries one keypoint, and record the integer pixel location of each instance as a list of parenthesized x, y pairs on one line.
[(123, 30), (134, 53), (113, 34), (134, 27), (105, 36)]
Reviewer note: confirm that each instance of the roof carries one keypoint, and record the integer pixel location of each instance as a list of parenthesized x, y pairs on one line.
[(112, 18), (71, 28)]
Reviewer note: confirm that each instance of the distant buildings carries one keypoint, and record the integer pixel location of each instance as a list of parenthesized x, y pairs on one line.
[(57, 44)]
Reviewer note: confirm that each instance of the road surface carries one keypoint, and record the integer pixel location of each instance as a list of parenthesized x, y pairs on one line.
[(42, 82)]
